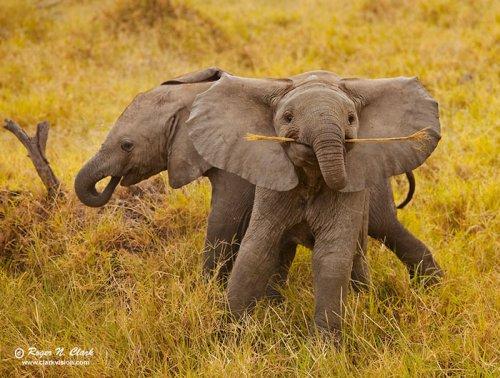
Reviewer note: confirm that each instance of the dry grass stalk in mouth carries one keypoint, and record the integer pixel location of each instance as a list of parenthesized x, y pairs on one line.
[(256, 137), (417, 136)]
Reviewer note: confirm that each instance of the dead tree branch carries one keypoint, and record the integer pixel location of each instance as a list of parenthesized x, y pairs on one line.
[(36, 149)]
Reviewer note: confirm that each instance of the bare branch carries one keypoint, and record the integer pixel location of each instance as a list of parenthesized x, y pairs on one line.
[(15, 129), (36, 149), (42, 133)]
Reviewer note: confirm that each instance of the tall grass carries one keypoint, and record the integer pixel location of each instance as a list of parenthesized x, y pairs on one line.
[(126, 279)]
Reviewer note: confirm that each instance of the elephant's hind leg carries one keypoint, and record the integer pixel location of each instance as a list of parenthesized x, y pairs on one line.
[(360, 274), (287, 252), (412, 252), (384, 226)]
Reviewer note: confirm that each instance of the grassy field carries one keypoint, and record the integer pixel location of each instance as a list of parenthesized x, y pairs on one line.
[(126, 279)]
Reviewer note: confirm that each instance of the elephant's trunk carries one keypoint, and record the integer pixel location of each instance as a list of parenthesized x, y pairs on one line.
[(328, 145), (90, 174)]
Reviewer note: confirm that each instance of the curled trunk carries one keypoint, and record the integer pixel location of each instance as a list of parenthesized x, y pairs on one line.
[(86, 180)]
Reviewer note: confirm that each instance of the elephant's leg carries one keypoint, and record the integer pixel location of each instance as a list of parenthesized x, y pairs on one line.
[(231, 206), (412, 252), (360, 274), (384, 226), (333, 254), (331, 268), (286, 255), (254, 269), (259, 261), (221, 246)]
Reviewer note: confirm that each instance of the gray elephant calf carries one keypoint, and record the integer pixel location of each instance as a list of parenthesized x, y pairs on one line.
[(322, 203), (151, 136)]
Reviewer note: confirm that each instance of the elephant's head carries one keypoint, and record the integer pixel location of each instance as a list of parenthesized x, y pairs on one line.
[(320, 110), (147, 138)]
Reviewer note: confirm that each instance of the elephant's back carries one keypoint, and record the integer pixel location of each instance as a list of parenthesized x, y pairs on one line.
[(182, 94)]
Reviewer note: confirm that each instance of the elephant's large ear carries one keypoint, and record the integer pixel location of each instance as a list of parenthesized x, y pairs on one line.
[(184, 164), (222, 116), (389, 108), (207, 74)]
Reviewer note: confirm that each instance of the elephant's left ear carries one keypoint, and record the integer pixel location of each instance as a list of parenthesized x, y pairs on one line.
[(395, 107)]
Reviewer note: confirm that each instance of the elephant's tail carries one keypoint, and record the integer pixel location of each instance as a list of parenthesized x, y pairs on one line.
[(411, 190)]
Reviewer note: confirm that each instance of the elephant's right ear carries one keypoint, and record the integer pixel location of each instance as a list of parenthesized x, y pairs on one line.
[(222, 116), (201, 76)]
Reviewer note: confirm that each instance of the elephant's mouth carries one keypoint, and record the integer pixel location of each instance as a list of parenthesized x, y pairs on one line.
[(130, 179), (302, 155), (136, 175)]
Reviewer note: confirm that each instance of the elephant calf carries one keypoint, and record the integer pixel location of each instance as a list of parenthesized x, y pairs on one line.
[(323, 202), (151, 136)]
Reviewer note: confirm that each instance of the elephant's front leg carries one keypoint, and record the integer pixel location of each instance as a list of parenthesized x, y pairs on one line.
[(334, 250), (222, 243), (259, 259), (231, 206)]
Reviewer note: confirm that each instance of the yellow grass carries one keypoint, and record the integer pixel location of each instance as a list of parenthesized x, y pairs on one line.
[(125, 280)]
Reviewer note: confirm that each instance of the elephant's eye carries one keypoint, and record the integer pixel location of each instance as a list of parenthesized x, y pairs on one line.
[(288, 117), (127, 146), (351, 119)]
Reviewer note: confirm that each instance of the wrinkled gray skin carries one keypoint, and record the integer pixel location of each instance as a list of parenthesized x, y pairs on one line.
[(315, 192), (151, 136)]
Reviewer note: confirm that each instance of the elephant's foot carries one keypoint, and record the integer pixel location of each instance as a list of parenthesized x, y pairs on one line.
[(218, 275), (274, 295), (426, 276), (218, 261), (427, 272), (360, 286), (360, 275), (327, 335)]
